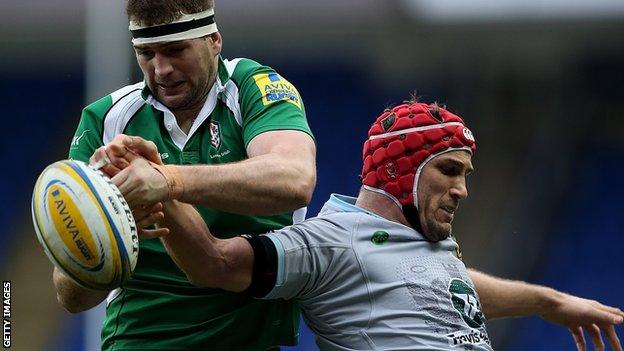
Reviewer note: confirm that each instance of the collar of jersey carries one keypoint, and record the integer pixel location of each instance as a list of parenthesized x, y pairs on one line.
[(177, 135), (347, 204)]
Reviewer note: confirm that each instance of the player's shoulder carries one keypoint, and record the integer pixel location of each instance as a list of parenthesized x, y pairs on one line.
[(336, 228), (240, 69), (126, 95)]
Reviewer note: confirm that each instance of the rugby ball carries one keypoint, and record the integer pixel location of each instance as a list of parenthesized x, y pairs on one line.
[(84, 224)]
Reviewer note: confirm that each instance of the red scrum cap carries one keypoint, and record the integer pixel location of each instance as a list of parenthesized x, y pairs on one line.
[(401, 142)]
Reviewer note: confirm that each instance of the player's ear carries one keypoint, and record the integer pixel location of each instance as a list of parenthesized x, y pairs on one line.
[(216, 41)]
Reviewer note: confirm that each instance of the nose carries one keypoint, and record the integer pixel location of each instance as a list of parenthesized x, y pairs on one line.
[(459, 190), (162, 65)]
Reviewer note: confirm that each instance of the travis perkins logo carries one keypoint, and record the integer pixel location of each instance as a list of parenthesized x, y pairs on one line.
[(473, 337)]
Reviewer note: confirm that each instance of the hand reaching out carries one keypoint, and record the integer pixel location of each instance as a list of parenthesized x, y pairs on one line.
[(578, 314)]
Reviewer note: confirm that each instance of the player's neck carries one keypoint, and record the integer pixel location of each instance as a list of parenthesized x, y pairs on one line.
[(185, 119), (186, 116), (380, 205)]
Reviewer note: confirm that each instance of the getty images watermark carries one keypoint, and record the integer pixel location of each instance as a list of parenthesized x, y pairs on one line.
[(6, 314)]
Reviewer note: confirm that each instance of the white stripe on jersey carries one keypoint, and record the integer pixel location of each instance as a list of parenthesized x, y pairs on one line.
[(230, 91), (126, 102)]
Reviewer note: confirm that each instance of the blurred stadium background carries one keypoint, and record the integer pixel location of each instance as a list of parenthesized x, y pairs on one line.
[(540, 82)]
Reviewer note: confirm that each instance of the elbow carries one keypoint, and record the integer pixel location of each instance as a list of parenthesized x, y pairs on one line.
[(72, 297), (301, 199), (199, 280), (72, 306), (73, 309), (302, 194)]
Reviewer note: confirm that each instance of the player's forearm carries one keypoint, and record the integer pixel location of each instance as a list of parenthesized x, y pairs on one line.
[(262, 185), (73, 297), (206, 260), (507, 298)]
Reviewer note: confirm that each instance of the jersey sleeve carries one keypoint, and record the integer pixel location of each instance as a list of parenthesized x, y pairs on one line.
[(299, 267), (268, 102), (300, 260), (88, 136)]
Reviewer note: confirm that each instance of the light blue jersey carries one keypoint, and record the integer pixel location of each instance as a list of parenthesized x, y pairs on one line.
[(366, 283)]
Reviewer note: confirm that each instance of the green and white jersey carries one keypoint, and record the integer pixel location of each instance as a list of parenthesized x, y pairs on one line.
[(158, 309), (366, 283)]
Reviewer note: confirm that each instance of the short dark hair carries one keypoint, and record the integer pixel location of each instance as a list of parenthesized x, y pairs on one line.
[(154, 12)]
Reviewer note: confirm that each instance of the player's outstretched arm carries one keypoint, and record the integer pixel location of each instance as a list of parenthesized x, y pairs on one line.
[(73, 297), (250, 263), (207, 261), (279, 175), (506, 298)]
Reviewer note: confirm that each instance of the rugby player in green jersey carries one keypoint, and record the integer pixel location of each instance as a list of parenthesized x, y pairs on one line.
[(240, 130)]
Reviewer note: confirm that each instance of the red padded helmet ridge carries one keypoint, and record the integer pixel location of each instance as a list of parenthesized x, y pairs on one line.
[(403, 139)]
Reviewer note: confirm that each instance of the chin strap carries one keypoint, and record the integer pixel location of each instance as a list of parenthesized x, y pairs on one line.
[(411, 214)]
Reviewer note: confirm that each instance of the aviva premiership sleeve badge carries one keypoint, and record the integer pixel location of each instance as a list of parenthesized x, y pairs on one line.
[(274, 87)]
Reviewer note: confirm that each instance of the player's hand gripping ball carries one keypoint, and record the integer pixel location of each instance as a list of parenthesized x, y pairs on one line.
[(85, 225)]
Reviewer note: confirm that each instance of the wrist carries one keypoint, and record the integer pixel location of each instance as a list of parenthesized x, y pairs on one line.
[(547, 301), (172, 177)]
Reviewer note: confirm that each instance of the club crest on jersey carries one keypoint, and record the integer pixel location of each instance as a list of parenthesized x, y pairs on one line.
[(215, 134), (465, 301)]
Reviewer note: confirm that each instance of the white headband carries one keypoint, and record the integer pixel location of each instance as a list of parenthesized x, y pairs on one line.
[(191, 26)]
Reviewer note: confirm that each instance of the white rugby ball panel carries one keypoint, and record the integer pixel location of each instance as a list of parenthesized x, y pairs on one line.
[(84, 224)]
